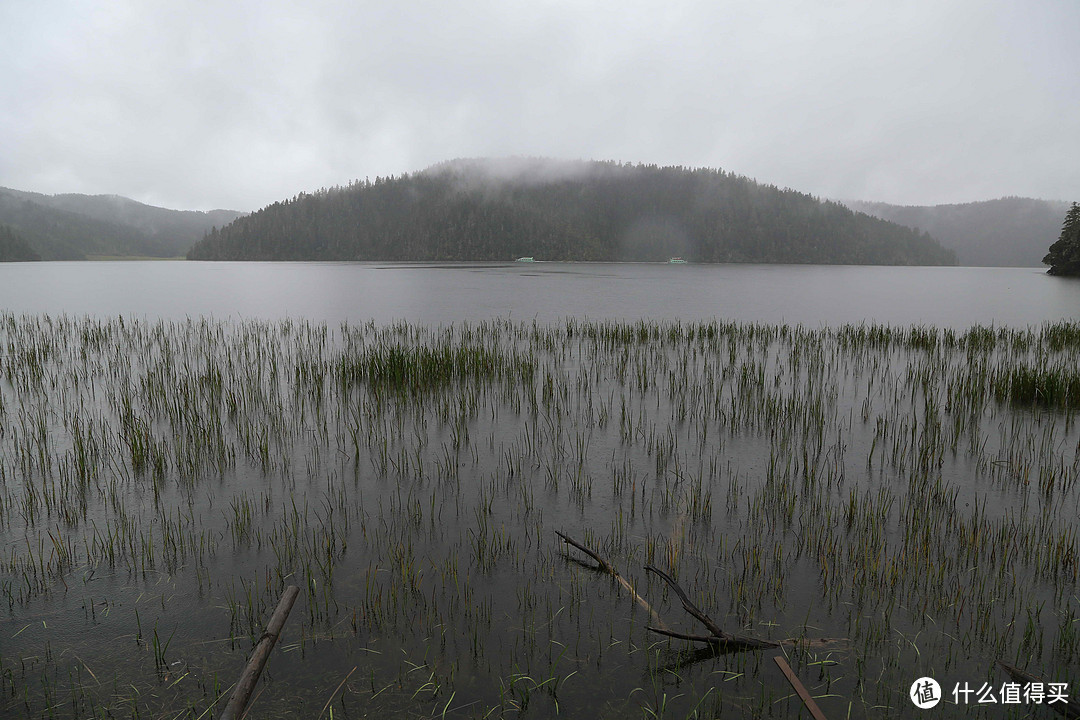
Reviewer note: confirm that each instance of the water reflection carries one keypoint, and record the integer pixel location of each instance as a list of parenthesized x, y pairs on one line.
[(444, 293)]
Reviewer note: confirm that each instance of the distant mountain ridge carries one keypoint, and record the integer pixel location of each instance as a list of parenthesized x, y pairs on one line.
[(483, 209), (1008, 232), (73, 227)]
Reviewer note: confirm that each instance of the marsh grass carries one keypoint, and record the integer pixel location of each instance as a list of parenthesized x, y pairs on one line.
[(1055, 387), (910, 491)]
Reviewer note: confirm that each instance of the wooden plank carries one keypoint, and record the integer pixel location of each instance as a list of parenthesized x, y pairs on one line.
[(803, 693), (246, 684)]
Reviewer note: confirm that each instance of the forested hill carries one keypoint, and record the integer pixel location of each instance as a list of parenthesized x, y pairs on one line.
[(74, 227), (14, 248), (1010, 232), (550, 210)]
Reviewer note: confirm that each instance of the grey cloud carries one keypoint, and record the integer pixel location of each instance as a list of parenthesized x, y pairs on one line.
[(238, 104)]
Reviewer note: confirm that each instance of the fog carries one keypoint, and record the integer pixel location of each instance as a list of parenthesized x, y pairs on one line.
[(238, 104)]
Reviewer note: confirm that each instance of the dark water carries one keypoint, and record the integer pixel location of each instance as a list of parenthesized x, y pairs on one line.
[(870, 498), (434, 294)]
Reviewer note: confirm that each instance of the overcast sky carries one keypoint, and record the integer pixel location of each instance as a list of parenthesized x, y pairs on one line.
[(237, 104)]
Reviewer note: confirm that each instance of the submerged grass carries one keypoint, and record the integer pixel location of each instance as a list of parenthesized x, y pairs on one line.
[(911, 491)]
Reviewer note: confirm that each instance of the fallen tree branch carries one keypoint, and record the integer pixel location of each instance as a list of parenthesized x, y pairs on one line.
[(687, 605), (246, 684), (604, 564), (683, 636), (610, 570), (716, 635)]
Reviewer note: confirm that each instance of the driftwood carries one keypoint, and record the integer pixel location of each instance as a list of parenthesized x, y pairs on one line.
[(605, 566), (803, 693), (716, 635), (250, 676), (688, 658), (1069, 709)]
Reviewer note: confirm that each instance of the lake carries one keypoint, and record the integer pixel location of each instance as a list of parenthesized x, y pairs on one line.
[(179, 442), (444, 293)]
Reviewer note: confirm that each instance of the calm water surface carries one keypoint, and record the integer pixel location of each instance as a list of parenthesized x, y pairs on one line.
[(444, 293), (876, 502)]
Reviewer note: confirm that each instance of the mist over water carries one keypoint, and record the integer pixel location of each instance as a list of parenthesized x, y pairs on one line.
[(811, 295)]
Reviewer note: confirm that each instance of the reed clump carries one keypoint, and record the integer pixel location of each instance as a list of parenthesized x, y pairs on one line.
[(1056, 387), (415, 370)]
